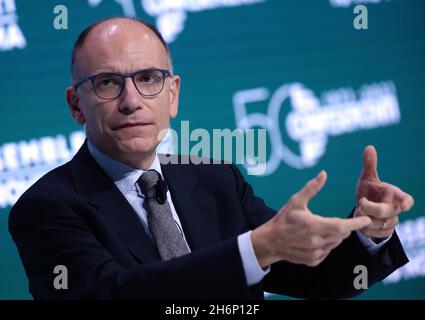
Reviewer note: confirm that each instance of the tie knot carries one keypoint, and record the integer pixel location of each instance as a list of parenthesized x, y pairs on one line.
[(153, 186), (148, 180)]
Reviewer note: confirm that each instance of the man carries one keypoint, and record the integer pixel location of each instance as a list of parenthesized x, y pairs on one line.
[(110, 219)]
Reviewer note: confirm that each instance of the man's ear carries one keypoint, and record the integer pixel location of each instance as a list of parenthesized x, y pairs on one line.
[(73, 100), (174, 95)]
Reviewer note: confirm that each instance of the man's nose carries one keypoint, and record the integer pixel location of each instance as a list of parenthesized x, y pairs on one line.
[(130, 97)]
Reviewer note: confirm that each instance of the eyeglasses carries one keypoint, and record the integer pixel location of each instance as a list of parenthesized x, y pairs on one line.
[(110, 85)]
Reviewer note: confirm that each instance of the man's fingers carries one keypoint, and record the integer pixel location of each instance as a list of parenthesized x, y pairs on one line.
[(404, 199), (325, 226), (338, 227), (401, 201), (407, 203), (379, 210), (309, 190), (370, 164), (356, 223), (393, 194), (382, 224)]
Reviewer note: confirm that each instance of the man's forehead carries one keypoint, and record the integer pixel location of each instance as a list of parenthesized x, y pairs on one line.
[(119, 42), (122, 30), (116, 25)]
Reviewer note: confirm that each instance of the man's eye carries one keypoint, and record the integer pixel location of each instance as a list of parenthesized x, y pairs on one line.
[(104, 83), (147, 78)]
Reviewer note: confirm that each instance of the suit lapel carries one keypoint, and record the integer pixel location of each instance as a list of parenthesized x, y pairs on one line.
[(99, 190), (194, 205)]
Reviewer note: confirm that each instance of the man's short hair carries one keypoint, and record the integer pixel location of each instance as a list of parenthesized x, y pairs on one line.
[(83, 36)]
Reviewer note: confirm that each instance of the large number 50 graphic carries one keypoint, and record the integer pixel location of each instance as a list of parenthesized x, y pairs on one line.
[(302, 100)]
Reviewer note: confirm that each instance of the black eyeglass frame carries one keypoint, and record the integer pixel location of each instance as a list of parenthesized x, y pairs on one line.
[(165, 73)]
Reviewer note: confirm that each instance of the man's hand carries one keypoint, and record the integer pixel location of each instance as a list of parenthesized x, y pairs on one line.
[(381, 201), (297, 235)]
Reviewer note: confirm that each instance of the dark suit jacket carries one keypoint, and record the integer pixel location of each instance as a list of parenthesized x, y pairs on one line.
[(76, 217)]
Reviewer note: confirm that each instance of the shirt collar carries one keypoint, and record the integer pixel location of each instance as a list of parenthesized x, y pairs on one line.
[(124, 176)]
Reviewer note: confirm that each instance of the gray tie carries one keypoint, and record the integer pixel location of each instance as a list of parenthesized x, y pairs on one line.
[(169, 240)]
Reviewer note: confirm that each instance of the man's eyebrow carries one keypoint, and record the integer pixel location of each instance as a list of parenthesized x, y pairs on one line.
[(114, 69)]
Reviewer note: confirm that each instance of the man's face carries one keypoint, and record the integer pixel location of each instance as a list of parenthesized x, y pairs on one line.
[(126, 128)]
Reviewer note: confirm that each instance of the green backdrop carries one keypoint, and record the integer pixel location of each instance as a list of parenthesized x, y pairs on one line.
[(322, 88)]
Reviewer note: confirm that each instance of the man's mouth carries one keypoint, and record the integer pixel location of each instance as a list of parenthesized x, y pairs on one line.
[(131, 125)]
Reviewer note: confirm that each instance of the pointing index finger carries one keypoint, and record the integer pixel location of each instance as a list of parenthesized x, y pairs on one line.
[(310, 189), (326, 226), (356, 223)]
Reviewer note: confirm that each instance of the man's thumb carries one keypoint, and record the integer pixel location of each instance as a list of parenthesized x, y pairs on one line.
[(311, 189), (370, 164)]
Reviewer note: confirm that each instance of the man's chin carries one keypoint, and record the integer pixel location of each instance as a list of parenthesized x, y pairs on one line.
[(138, 146)]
